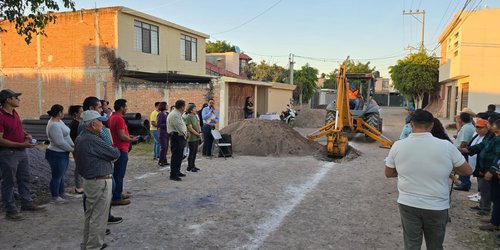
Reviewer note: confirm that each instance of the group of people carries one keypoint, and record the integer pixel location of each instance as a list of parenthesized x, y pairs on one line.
[(184, 128), (425, 158)]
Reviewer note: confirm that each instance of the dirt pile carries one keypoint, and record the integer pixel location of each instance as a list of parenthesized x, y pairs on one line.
[(310, 118), (264, 137)]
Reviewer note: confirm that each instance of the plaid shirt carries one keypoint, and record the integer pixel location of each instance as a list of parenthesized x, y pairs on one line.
[(488, 151)]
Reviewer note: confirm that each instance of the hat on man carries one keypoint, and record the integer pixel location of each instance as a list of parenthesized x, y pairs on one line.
[(89, 115), (410, 108), (468, 111), (481, 122), (7, 93)]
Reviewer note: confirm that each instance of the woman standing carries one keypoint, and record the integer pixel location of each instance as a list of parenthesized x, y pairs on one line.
[(248, 108), (163, 136), (194, 130), (57, 154), (75, 112)]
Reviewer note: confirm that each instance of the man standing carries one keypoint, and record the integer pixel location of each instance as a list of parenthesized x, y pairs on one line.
[(210, 117), (464, 136), (14, 164), (409, 112), (94, 164), (423, 164), (178, 134), (154, 132), (121, 140)]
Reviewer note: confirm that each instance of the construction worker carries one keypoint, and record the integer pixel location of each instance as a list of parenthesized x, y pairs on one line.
[(353, 97)]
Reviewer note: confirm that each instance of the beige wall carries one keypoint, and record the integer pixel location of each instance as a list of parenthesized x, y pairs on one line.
[(169, 58), (278, 96), (472, 49)]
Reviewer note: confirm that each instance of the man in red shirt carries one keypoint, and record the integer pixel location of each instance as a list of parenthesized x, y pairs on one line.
[(14, 164), (121, 140)]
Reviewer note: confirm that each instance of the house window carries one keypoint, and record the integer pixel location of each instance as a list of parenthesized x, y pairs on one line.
[(146, 38), (189, 48)]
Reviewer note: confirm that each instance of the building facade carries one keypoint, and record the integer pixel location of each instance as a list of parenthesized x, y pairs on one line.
[(470, 59)]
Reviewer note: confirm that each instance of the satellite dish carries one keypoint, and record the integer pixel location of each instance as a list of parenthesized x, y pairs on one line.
[(237, 49)]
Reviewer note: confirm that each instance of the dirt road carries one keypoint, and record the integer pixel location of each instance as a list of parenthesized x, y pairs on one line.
[(249, 203)]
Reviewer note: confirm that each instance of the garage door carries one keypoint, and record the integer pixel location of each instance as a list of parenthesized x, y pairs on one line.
[(237, 94)]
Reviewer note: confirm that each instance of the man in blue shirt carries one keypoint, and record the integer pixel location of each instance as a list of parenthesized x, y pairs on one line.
[(210, 117), (464, 136)]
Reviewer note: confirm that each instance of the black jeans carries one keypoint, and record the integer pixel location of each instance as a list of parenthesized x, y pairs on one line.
[(495, 198), (208, 139), (193, 150), (177, 144)]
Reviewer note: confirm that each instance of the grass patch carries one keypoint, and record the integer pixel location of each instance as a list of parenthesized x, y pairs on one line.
[(142, 149)]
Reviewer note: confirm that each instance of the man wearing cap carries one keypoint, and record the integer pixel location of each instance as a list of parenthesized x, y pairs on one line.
[(422, 163), (94, 159), (464, 136), (484, 187), (14, 164)]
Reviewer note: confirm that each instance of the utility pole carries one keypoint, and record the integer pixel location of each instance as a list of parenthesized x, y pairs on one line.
[(291, 62), (418, 12)]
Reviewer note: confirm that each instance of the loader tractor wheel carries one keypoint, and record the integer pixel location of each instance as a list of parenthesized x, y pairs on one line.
[(330, 117), (374, 120)]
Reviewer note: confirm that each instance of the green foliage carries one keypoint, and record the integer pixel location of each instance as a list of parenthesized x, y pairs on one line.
[(416, 75), (265, 72), (351, 67), (32, 16), (305, 79), (219, 47)]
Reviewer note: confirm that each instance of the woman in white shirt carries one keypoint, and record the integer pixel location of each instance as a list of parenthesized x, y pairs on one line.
[(57, 154)]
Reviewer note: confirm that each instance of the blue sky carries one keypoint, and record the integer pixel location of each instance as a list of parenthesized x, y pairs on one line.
[(332, 29)]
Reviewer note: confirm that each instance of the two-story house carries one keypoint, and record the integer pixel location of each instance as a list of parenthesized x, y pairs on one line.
[(470, 59), (78, 58)]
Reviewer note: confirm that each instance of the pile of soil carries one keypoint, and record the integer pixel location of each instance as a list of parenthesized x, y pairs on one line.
[(41, 175), (310, 118), (263, 137)]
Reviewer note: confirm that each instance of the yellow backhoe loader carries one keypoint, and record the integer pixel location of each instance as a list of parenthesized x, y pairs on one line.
[(364, 118)]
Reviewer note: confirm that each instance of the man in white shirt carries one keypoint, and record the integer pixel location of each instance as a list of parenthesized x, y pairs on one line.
[(423, 164)]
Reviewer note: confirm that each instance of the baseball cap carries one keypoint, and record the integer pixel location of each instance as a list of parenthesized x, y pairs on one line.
[(481, 122), (411, 108), (89, 115), (7, 93)]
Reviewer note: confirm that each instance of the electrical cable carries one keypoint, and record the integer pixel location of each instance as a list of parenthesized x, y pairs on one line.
[(251, 19)]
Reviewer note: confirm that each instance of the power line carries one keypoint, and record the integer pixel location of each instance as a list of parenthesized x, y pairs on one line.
[(251, 19)]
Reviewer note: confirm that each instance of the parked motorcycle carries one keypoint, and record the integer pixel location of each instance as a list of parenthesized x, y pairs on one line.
[(288, 116)]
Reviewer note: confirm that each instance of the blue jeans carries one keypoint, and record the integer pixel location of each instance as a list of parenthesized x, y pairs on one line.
[(156, 147), (119, 174), (465, 182), (353, 104), (58, 165)]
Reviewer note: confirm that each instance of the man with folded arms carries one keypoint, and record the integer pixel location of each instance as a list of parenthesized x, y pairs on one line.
[(94, 159)]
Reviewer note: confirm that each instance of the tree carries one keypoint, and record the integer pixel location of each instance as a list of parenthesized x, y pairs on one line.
[(351, 67), (265, 72), (416, 75), (305, 79), (219, 47), (31, 16)]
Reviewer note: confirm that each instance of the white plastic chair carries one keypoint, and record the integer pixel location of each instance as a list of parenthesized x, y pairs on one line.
[(217, 137)]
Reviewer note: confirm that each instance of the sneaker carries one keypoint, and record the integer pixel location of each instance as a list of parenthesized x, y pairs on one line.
[(32, 208), (13, 216), (475, 199), (121, 202), (181, 175), (473, 195), (58, 200), (114, 220), (197, 169), (68, 196)]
